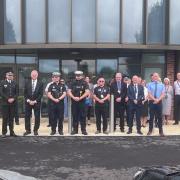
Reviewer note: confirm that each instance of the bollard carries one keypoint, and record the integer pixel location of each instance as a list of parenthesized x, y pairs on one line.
[(69, 116), (111, 125)]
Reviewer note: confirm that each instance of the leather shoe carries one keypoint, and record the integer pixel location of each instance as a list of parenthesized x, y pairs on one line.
[(84, 133), (13, 134), (26, 133), (61, 133), (175, 123), (149, 133), (17, 123), (161, 134), (139, 132), (74, 132), (122, 130), (35, 133), (129, 132), (48, 125), (3, 135), (53, 133)]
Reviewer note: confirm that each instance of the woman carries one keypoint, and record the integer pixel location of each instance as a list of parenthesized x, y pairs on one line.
[(167, 100), (144, 112)]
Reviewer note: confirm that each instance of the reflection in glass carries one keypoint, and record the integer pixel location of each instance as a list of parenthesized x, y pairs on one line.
[(35, 21), (83, 20), (88, 67), (129, 60), (153, 59), (174, 22), (59, 20), (155, 21), (108, 20), (12, 21), (106, 67), (132, 21), (130, 70), (7, 59), (25, 59), (48, 66)]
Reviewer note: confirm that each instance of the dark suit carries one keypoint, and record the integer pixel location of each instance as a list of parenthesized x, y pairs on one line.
[(36, 96), (135, 108), (119, 107), (8, 90)]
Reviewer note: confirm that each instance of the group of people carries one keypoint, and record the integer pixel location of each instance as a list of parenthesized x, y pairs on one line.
[(133, 99)]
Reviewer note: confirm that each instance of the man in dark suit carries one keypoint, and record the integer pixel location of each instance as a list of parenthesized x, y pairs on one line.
[(119, 90), (8, 91), (135, 97), (33, 92)]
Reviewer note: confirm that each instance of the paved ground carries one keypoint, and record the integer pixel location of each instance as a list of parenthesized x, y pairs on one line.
[(87, 158), (45, 131)]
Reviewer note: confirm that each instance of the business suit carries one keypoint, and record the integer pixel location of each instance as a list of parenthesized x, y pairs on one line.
[(138, 96), (29, 95), (8, 90), (119, 107)]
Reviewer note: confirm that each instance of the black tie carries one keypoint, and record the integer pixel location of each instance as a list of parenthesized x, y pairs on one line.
[(155, 90), (135, 89)]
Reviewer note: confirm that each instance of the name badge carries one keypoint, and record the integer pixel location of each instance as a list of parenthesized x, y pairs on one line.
[(102, 96), (119, 91)]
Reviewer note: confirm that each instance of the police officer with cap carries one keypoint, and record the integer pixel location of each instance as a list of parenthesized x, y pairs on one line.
[(8, 91), (78, 91), (56, 94)]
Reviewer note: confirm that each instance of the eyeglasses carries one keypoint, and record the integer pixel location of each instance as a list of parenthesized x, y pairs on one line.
[(101, 81)]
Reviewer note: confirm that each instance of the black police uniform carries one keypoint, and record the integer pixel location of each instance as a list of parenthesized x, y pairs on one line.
[(101, 110), (57, 109), (78, 88), (8, 90)]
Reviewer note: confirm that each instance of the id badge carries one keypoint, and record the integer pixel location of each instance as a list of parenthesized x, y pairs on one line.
[(102, 96), (119, 91)]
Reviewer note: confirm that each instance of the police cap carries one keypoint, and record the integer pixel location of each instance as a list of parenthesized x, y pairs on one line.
[(56, 74), (9, 74), (78, 73)]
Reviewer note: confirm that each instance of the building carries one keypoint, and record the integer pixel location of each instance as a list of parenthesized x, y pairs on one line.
[(96, 36)]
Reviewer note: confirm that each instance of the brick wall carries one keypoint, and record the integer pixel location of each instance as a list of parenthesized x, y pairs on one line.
[(170, 69)]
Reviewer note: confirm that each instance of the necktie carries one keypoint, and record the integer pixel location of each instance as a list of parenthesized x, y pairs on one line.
[(119, 86), (33, 86), (155, 90), (135, 89)]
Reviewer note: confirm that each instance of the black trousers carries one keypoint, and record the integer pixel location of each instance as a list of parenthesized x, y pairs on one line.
[(8, 113), (134, 109), (101, 112), (177, 108), (16, 113), (88, 111), (155, 110), (79, 115), (57, 115), (28, 114), (119, 110), (49, 112)]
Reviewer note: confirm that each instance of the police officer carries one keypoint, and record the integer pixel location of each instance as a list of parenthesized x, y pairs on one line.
[(8, 91), (56, 94), (78, 91), (101, 96)]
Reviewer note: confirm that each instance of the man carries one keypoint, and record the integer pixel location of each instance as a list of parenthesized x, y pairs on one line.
[(119, 90), (33, 92), (101, 96), (156, 92), (78, 91), (48, 103), (177, 100), (135, 97), (8, 91), (56, 94)]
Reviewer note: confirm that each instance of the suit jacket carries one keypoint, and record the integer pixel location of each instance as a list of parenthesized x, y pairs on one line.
[(122, 94), (38, 92), (131, 94), (8, 90)]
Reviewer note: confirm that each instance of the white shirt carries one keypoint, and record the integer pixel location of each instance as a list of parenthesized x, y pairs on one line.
[(35, 83), (47, 87), (136, 95), (177, 87)]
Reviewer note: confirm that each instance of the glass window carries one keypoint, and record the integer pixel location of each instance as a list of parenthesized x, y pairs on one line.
[(106, 67), (25, 59), (83, 20), (132, 21), (130, 70), (88, 67), (12, 21), (155, 21), (7, 59), (35, 21), (48, 65), (153, 59), (129, 60), (59, 20), (174, 22), (108, 20)]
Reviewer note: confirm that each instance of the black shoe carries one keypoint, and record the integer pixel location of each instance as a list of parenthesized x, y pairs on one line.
[(61, 133), (13, 134), (74, 132), (3, 136), (129, 132), (122, 130), (175, 123), (53, 133), (161, 134), (97, 132), (48, 125), (139, 132), (26, 133), (17, 123), (149, 133), (84, 133), (36, 133)]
